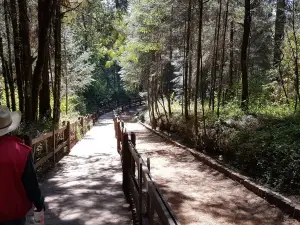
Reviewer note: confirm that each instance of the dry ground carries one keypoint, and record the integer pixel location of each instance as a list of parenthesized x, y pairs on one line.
[(198, 194)]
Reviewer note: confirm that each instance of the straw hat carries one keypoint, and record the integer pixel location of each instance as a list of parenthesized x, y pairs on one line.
[(9, 121)]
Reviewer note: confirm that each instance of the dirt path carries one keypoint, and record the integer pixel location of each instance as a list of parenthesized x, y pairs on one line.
[(86, 186), (198, 194)]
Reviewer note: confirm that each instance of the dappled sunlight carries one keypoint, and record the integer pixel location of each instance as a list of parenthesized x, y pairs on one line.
[(85, 187), (197, 193)]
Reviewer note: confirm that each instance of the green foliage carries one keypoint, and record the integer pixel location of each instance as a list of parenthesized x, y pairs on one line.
[(270, 153)]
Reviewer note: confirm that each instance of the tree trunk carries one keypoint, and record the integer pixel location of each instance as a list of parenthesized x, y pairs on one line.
[(244, 48), (5, 73), (10, 79), (66, 75), (188, 36), (296, 57), (279, 31), (223, 58), (26, 59), (17, 52), (216, 58), (44, 103), (199, 71), (57, 72), (231, 57), (45, 13)]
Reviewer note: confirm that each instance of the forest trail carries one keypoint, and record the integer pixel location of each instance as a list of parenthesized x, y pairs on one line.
[(85, 188), (198, 194)]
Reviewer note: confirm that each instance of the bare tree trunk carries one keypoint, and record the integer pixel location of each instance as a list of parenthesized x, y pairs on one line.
[(66, 74), (17, 52), (26, 59), (216, 58), (57, 79), (244, 48), (199, 63), (188, 36), (230, 86), (9, 79), (183, 71), (5, 73), (279, 31), (171, 72), (45, 13), (44, 95), (296, 55), (223, 58)]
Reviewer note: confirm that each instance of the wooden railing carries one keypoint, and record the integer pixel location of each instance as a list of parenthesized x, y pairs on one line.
[(138, 184), (132, 103), (48, 148)]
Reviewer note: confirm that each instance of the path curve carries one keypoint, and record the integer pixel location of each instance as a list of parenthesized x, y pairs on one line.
[(85, 188)]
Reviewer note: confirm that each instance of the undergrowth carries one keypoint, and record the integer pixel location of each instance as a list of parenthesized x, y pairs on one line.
[(264, 143)]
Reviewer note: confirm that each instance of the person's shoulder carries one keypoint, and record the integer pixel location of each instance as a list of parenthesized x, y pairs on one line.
[(12, 140)]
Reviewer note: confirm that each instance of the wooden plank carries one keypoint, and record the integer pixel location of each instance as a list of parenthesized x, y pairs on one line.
[(150, 209), (43, 160), (163, 213), (62, 145), (134, 154), (60, 130), (41, 138), (133, 188), (166, 204), (140, 186)]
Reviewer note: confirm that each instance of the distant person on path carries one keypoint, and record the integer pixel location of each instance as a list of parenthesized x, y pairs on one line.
[(19, 188)]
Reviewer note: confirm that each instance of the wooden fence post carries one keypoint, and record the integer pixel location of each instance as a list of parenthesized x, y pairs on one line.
[(150, 208), (133, 138), (68, 132), (118, 136), (132, 161), (148, 164), (125, 167), (54, 146), (115, 126), (82, 125), (140, 180), (76, 137)]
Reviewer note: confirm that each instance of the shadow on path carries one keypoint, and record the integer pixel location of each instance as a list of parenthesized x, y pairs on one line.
[(85, 187), (198, 194)]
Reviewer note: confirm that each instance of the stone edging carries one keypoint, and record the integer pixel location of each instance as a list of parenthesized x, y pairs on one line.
[(274, 198)]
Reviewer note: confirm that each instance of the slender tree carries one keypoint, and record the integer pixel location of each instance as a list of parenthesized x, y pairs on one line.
[(17, 52), (26, 58), (279, 31), (58, 61), (244, 49), (9, 78), (188, 55), (199, 66)]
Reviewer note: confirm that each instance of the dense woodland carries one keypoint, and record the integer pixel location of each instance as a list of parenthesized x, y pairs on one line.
[(220, 75), (54, 55)]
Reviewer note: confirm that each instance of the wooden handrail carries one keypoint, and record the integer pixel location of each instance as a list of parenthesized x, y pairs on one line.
[(143, 183), (52, 143)]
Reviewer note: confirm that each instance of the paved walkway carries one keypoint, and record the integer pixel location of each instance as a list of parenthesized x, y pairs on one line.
[(198, 194), (85, 187)]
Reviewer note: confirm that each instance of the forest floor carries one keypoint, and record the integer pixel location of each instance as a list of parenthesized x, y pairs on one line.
[(197, 193)]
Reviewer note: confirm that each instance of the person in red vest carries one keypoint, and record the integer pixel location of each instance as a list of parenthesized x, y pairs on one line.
[(19, 188)]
